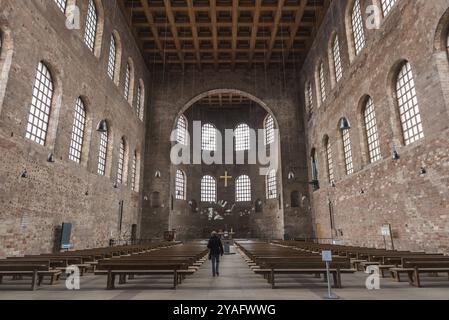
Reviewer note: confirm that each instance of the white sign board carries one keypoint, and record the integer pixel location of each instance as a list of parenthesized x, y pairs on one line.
[(385, 231), (327, 256)]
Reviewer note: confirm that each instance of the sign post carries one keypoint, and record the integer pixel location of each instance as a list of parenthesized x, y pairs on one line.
[(386, 232), (327, 257)]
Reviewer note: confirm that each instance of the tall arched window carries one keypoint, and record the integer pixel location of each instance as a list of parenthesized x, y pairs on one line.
[(271, 185), (337, 59), (140, 100), (372, 135), (40, 109), (128, 92), (347, 151), (322, 82), (112, 58), (269, 130), (90, 34), (329, 160), (103, 153), (209, 137), (387, 5), (121, 162), (208, 189), (134, 180), (243, 189), (62, 4), (358, 32), (180, 185), (79, 125), (412, 127), (242, 137), (314, 165), (309, 97), (181, 130)]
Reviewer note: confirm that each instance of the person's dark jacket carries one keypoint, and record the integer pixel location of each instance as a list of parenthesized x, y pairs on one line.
[(215, 246)]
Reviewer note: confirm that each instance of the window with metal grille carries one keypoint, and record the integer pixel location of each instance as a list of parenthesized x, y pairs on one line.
[(269, 130), (309, 97), (127, 81), (209, 137), (180, 185), (121, 162), (112, 58), (372, 135), (181, 130), (337, 59), (62, 4), (347, 150), (330, 161), (387, 5), (243, 189), (242, 137), (408, 105), (79, 124), (208, 189), (357, 28), (41, 102), (102, 154), (271, 185), (134, 172), (322, 83), (139, 107), (90, 33)]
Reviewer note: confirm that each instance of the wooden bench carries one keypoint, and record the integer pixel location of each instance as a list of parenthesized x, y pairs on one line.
[(35, 271), (414, 269)]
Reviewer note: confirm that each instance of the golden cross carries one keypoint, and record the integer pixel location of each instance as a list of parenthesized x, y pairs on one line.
[(226, 177)]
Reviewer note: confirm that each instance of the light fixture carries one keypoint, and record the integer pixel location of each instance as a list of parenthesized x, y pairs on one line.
[(157, 174), (24, 174), (422, 171), (51, 158), (291, 175), (395, 155), (102, 126), (344, 124)]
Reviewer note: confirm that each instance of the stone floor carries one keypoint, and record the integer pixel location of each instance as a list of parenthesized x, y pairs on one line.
[(236, 282)]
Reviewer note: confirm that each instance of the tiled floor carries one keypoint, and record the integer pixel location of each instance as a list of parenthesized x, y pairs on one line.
[(236, 282)]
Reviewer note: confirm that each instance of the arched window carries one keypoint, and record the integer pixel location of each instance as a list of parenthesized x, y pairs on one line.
[(314, 169), (243, 189), (62, 4), (127, 80), (387, 5), (180, 185), (347, 151), (128, 92), (121, 162), (309, 97), (269, 130), (372, 135), (329, 160), (103, 153), (140, 109), (209, 137), (134, 180), (39, 116), (358, 32), (181, 130), (242, 137), (208, 189), (408, 105), (337, 59), (79, 125), (90, 33), (271, 185), (112, 58), (322, 82)]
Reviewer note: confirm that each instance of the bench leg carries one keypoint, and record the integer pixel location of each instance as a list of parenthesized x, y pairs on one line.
[(40, 279), (175, 282), (1, 279), (273, 284), (122, 279), (33, 281), (417, 278), (110, 281)]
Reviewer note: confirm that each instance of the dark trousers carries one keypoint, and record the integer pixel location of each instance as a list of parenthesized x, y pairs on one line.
[(215, 264)]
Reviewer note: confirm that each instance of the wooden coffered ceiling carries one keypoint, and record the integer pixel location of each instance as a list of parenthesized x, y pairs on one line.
[(224, 33)]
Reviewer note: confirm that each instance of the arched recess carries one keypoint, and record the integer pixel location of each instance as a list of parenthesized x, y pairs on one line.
[(441, 53), (273, 214), (6, 53), (331, 59), (118, 57)]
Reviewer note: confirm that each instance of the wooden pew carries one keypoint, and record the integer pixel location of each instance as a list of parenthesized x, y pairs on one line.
[(35, 270)]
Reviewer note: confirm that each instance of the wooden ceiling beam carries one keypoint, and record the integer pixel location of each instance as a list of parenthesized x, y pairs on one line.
[(196, 41), (235, 21), (213, 14), (154, 31), (254, 30), (275, 29), (174, 30)]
